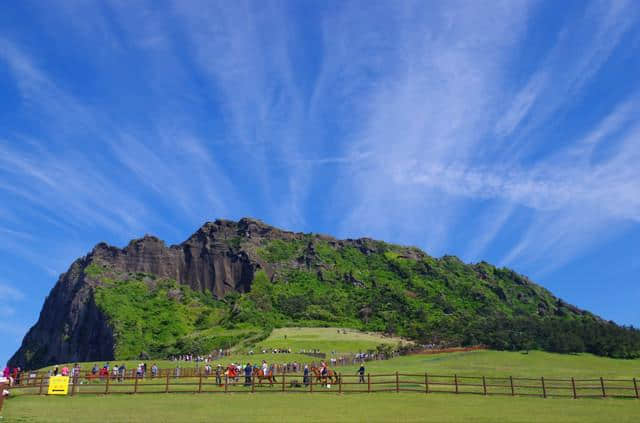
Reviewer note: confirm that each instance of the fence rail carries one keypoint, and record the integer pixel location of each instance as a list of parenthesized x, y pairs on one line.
[(426, 383)]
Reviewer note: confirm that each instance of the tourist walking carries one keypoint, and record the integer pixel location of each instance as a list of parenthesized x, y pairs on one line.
[(219, 375), (154, 370), (305, 375), (247, 374), (361, 373)]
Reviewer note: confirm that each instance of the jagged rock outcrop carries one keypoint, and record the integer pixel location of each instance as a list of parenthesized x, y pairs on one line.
[(233, 281), (72, 328)]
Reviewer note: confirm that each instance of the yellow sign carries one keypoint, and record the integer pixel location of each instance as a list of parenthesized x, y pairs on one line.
[(58, 385)]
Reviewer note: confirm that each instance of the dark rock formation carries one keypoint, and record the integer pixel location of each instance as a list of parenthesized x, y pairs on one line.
[(72, 328)]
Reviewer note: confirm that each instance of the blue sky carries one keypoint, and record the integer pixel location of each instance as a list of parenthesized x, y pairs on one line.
[(506, 131)]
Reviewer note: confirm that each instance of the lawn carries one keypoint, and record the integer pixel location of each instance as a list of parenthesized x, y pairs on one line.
[(327, 405), (326, 340), (382, 407)]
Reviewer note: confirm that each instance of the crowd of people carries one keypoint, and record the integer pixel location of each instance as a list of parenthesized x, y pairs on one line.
[(233, 370)]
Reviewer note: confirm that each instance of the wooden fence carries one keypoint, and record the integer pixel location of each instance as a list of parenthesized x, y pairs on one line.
[(426, 383)]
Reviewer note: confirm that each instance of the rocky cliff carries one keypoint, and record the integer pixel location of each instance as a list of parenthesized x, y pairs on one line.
[(72, 328), (233, 281)]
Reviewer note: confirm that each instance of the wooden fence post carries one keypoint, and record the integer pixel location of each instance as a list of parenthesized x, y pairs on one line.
[(484, 385), (340, 383), (513, 391), (106, 389), (284, 374), (1, 396), (397, 382), (42, 384), (166, 386), (135, 385), (368, 382), (226, 383), (455, 380), (426, 383), (311, 383), (200, 384), (573, 386), (544, 389), (635, 386), (73, 385), (604, 393), (253, 383)]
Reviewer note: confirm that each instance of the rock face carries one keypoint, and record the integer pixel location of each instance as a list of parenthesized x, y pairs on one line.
[(72, 328), (96, 310)]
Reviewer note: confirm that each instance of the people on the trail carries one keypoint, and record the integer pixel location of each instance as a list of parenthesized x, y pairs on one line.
[(56, 371), (247, 374), (65, 371), (265, 368), (15, 375), (361, 373), (140, 370), (6, 372), (305, 375), (272, 372), (94, 370), (219, 375), (154, 370)]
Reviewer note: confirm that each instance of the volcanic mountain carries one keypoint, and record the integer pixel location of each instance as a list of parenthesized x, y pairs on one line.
[(232, 282)]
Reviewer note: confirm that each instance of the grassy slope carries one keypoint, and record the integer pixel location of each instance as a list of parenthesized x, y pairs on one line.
[(504, 363), (326, 340)]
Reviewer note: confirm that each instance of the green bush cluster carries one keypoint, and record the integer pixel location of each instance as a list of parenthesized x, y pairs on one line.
[(387, 288), (163, 318)]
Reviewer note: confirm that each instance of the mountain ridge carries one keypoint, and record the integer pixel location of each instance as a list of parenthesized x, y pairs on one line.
[(231, 278)]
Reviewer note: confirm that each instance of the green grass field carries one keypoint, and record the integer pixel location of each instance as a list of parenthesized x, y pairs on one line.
[(326, 340), (326, 405), (316, 408)]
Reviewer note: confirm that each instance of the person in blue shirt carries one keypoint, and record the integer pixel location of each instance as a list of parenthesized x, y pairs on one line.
[(361, 373), (248, 369), (305, 375)]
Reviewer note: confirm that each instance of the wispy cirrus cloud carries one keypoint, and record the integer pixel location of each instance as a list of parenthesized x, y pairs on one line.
[(436, 124), (581, 48), (504, 131)]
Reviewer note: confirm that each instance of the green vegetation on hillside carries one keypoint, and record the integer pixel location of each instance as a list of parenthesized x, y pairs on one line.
[(398, 290), (158, 317), (364, 284)]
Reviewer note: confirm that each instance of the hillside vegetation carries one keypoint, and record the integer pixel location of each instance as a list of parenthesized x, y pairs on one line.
[(364, 284), (154, 317), (231, 283)]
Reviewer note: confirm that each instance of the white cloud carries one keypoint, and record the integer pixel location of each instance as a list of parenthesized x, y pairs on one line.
[(9, 293), (581, 50)]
